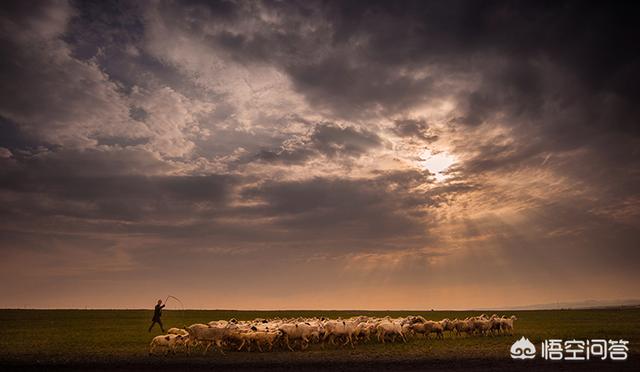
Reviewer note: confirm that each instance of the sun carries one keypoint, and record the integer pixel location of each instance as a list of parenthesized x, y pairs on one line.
[(437, 163)]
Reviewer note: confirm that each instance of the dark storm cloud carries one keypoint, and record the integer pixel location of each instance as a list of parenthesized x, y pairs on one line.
[(350, 89), (362, 56), (331, 140), (97, 185), (12, 137), (326, 139), (331, 72), (99, 25), (414, 128), (380, 208)]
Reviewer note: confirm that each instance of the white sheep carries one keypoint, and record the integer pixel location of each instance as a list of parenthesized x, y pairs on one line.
[(387, 328), (168, 342), (177, 331), (344, 329), (299, 331), (506, 324), (207, 335), (263, 339)]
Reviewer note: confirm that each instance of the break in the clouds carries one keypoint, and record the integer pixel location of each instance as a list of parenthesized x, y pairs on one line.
[(318, 154)]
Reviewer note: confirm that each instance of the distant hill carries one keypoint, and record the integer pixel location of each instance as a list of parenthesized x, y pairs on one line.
[(587, 304)]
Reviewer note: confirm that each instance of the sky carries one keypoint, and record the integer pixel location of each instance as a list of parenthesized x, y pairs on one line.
[(318, 154)]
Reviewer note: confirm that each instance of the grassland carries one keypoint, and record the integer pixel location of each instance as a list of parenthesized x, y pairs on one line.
[(109, 337)]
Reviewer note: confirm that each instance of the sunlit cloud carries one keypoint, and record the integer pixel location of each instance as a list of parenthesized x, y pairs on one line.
[(437, 163)]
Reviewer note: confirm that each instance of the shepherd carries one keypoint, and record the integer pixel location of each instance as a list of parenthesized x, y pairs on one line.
[(157, 313)]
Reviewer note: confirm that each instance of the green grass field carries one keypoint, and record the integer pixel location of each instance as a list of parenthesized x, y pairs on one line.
[(67, 336)]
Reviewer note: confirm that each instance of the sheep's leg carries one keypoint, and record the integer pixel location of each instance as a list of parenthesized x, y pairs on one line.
[(351, 341), (346, 340), (219, 346), (286, 340), (242, 345)]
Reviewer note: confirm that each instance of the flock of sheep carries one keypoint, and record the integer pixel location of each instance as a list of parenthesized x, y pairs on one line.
[(265, 334)]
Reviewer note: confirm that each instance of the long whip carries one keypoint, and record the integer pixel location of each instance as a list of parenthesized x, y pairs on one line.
[(180, 302)]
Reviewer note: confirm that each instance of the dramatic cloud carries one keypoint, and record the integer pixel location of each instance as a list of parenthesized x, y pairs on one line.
[(328, 140), (322, 154)]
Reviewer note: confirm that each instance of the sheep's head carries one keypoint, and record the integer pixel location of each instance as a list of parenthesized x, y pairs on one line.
[(513, 317), (315, 335), (406, 328)]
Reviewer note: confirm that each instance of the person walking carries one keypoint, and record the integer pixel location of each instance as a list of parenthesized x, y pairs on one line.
[(157, 313)]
